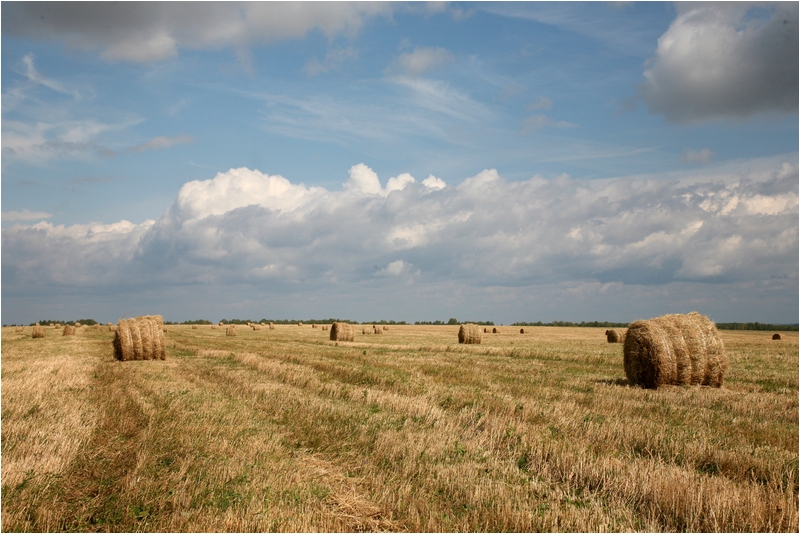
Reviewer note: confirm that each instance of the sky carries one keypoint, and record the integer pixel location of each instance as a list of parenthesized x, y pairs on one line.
[(401, 161)]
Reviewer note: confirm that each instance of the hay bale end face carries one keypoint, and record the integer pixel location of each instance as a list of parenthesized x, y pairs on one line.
[(378, 331), (469, 334), (342, 332), (38, 331), (495, 331), (231, 330), (68, 330), (194, 327), (521, 330), (674, 350), (776, 337), (615, 336)]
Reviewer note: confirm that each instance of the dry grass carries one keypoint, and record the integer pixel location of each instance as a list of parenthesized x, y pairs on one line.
[(287, 431)]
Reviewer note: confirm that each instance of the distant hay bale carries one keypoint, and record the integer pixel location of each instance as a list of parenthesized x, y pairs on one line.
[(38, 331), (56, 325), (68, 330), (194, 327), (77, 325), (674, 350), (112, 328), (385, 327), (313, 326), (776, 336), (95, 327), (271, 326), (324, 327), (486, 331), (300, 323), (213, 327), (521, 330), (19, 329), (363, 330), (342, 332), (255, 326), (37, 324), (469, 334), (377, 331), (615, 336), (109, 324), (495, 331), (231, 330)]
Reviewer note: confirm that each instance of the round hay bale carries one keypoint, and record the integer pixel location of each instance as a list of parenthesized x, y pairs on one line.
[(271, 326), (19, 329), (231, 330), (363, 330), (313, 326), (521, 330), (385, 327), (38, 331), (95, 327), (68, 330), (77, 325), (255, 327), (615, 336), (300, 324), (123, 341), (324, 327), (674, 350), (221, 323), (37, 324), (378, 331), (776, 336), (495, 331), (469, 334), (112, 328), (342, 332), (56, 325), (213, 327), (194, 327)]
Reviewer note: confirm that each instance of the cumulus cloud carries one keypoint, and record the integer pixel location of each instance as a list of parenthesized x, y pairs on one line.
[(725, 60), (151, 32), (419, 61)]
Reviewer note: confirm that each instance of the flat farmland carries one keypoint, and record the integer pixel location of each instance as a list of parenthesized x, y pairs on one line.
[(284, 430)]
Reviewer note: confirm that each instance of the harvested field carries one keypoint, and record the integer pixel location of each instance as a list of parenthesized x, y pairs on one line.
[(409, 430)]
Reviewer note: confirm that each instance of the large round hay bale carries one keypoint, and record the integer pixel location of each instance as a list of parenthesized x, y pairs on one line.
[(469, 334), (521, 330), (342, 332), (313, 326), (38, 331), (123, 341), (300, 323), (77, 325), (324, 327), (364, 331), (486, 331), (141, 338), (378, 331), (68, 330), (19, 329), (495, 331), (255, 326), (674, 349), (776, 336), (231, 330), (385, 327), (194, 327), (615, 336)]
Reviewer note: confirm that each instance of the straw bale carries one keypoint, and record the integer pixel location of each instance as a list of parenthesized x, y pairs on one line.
[(385, 327), (213, 327), (77, 325), (271, 326), (615, 336), (68, 330), (112, 328), (313, 326), (776, 336), (521, 330), (231, 330), (19, 329), (324, 327), (364, 331), (255, 326), (378, 331), (37, 324), (495, 331), (300, 324), (342, 332), (38, 331), (194, 327), (469, 334), (674, 350)]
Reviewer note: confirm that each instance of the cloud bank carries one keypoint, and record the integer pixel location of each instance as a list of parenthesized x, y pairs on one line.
[(147, 32), (263, 233), (725, 60)]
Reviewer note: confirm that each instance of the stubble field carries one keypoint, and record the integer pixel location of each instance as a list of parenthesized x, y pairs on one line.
[(283, 430)]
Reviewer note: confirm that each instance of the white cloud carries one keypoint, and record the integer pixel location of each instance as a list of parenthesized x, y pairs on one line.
[(152, 32), (725, 60), (537, 122), (420, 61), (701, 157), (334, 60), (543, 103), (163, 141), (252, 230), (25, 215)]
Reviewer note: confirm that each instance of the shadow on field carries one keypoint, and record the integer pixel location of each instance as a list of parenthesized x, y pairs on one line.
[(614, 382)]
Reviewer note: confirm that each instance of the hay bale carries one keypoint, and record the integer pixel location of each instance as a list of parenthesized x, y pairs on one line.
[(141, 338), (363, 330), (271, 326), (313, 326), (231, 330), (385, 327), (112, 328), (38, 331), (615, 336), (378, 331), (469, 334), (342, 332), (324, 327), (19, 329), (194, 327), (300, 324), (521, 330), (213, 327), (68, 330), (255, 326), (776, 336), (495, 331), (77, 325), (674, 349)]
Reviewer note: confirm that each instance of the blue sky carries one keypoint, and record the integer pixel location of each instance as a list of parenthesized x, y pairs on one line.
[(486, 161)]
